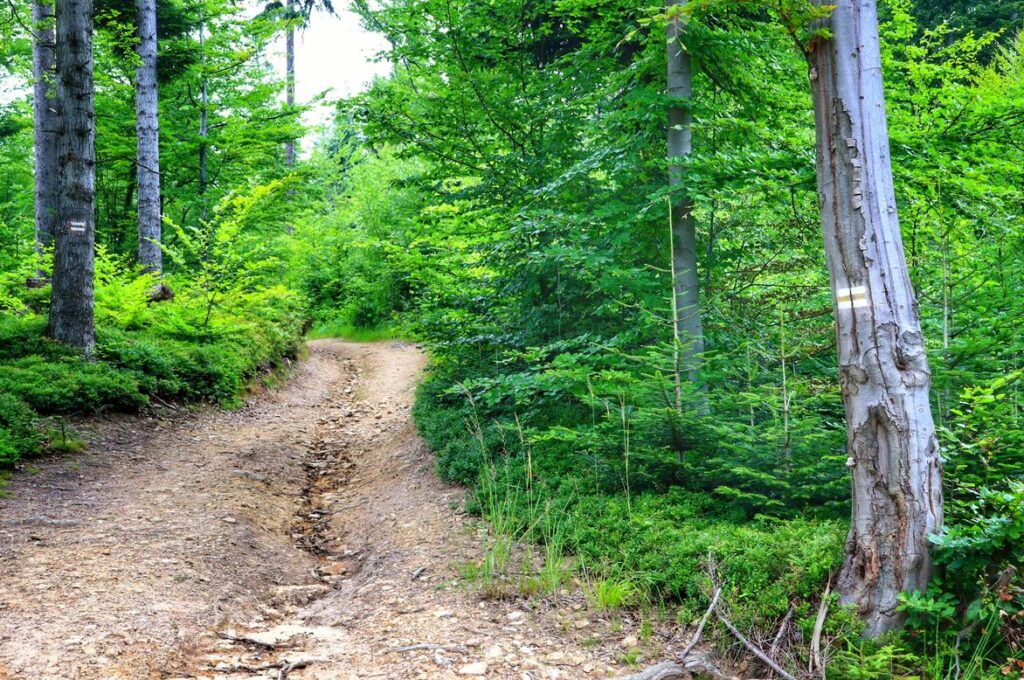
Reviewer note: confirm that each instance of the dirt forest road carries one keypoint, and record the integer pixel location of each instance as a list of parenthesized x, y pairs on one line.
[(303, 536)]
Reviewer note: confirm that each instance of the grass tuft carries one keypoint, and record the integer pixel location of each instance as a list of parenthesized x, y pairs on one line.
[(347, 331)]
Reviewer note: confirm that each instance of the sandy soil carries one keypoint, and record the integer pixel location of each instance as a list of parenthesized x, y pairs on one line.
[(303, 536)]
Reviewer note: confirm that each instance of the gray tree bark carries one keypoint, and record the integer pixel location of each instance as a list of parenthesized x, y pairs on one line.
[(883, 368), (44, 119), (147, 126), (689, 332), (289, 51), (71, 308), (204, 130)]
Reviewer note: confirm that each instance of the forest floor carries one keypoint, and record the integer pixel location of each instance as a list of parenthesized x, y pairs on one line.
[(306, 527)]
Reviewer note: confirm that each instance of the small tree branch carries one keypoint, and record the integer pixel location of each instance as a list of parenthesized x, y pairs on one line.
[(752, 647), (700, 628)]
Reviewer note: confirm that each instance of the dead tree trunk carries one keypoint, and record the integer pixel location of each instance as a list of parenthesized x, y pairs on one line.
[(71, 308), (688, 330), (147, 127), (883, 368), (44, 119)]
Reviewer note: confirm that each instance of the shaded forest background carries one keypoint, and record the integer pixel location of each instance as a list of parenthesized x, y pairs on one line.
[(502, 198)]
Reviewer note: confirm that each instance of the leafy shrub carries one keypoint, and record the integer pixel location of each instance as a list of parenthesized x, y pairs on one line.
[(203, 345), (766, 565), (25, 336), (662, 539), (18, 433), (70, 385)]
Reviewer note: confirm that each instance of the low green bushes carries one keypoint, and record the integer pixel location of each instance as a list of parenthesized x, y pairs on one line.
[(18, 433), (608, 485), (195, 347), (230, 318), (668, 540), (656, 535), (39, 378)]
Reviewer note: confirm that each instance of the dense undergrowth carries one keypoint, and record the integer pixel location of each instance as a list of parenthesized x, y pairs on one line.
[(522, 238), (225, 325)]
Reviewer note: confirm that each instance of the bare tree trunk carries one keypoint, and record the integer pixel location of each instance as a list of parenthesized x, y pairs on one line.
[(71, 308), (45, 122), (289, 50), (147, 126), (883, 368), (689, 333)]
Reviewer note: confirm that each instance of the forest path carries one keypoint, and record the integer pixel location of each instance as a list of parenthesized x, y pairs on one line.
[(308, 525)]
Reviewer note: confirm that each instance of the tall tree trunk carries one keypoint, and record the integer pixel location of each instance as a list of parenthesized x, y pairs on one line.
[(204, 130), (289, 56), (689, 332), (147, 128), (45, 121), (71, 308), (883, 368)]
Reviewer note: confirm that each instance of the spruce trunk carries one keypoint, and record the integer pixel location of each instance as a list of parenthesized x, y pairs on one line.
[(147, 128), (689, 332), (44, 119), (883, 368), (71, 309)]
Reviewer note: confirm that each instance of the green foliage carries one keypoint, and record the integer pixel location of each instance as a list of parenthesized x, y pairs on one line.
[(512, 217), (228, 322), (70, 385), (861, 660), (224, 261), (985, 444), (361, 272), (354, 333), (18, 433), (609, 594), (980, 553), (502, 198)]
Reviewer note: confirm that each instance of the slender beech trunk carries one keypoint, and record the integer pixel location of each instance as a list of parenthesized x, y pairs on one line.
[(689, 333), (883, 368), (147, 128), (45, 122), (289, 56), (71, 308), (204, 130)]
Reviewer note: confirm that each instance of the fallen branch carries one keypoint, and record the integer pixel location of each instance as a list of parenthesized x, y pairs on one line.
[(700, 628), (752, 647), (817, 663), (283, 668), (774, 649), (695, 664), (429, 646), (663, 671), (290, 666), (252, 642)]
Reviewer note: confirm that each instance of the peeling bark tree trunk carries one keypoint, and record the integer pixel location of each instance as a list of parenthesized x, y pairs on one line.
[(689, 333), (883, 369), (289, 50), (71, 309), (44, 119), (147, 128)]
